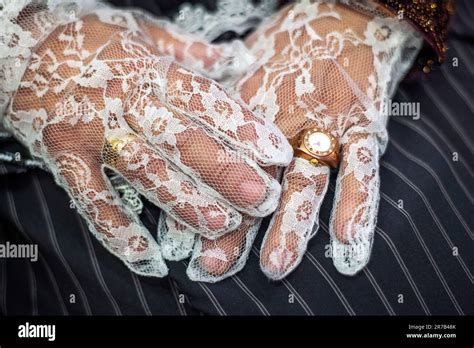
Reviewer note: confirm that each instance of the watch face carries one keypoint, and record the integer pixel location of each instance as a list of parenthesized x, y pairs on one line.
[(318, 142)]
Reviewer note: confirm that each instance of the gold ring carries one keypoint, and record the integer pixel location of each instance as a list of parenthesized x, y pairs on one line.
[(316, 146), (113, 146)]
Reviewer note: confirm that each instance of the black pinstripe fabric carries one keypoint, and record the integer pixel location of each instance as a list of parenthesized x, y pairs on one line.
[(414, 268)]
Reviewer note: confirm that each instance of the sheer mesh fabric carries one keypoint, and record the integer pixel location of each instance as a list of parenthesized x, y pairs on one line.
[(330, 65), (101, 89)]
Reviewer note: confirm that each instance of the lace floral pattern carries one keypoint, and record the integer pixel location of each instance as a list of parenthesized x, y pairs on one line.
[(74, 80), (17, 40), (331, 65), (101, 78), (237, 16)]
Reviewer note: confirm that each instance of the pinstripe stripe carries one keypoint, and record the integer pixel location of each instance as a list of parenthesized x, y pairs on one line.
[(14, 215), (471, 14), (404, 268), (460, 14), (140, 293), (471, 50), (150, 216), (176, 293), (379, 291), (40, 257), (446, 195), (438, 132), (442, 154), (188, 301), (465, 18), (464, 22), (448, 143), (400, 261), (210, 295), (33, 289), (371, 279), (3, 287), (212, 298), (436, 101), (331, 282), (290, 288), (298, 297), (427, 252), (49, 223), (432, 213), (251, 295), (3, 271), (95, 265), (453, 83), (457, 50)]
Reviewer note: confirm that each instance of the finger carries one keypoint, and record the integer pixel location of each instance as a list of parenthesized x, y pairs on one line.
[(215, 61), (173, 191), (237, 179), (192, 148), (176, 240), (117, 229), (295, 221), (215, 260), (355, 208), (186, 48), (207, 103)]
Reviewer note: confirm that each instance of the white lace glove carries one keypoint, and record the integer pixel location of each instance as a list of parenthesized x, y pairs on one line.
[(318, 64), (97, 93)]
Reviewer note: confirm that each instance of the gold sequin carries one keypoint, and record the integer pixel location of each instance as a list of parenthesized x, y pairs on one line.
[(431, 17)]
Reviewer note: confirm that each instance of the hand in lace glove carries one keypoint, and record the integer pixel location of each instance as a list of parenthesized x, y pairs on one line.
[(323, 65), (98, 95)]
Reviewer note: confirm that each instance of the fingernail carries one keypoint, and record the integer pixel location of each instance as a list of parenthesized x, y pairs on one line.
[(280, 262), (252, 192), (350, 258)]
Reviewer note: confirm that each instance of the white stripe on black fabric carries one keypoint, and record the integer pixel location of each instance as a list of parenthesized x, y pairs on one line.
[(432, 213), (140, 293), (441, 186), (47, 218), (14, 215), (95, 264), (331, 282), (426, 251)]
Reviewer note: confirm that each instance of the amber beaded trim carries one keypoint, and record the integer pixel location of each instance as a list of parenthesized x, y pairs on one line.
[(431, 17)]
